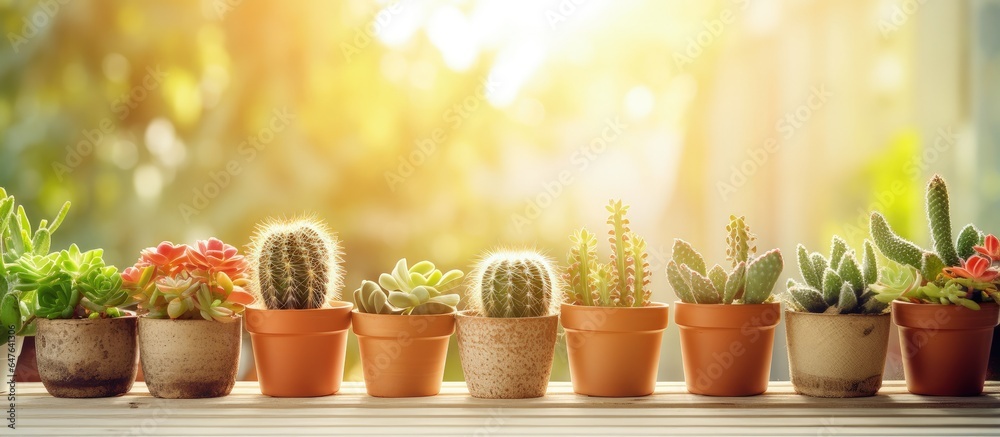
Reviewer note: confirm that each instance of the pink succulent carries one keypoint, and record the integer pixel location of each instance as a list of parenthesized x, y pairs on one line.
[(975, 268), (168, 258), (132, 276), (990, 248), (214, 256)]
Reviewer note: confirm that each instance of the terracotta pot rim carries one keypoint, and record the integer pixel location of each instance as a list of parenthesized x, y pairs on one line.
[(472, 314), (910, 315), (855, 315), (331, 320), (584, 318), (332, 305), (726, 316), (394, 325)]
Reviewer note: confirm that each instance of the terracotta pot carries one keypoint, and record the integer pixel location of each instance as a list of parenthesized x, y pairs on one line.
[(189, 359), (300, 353), (87, 358), (993, 370), (836, 355), (506, 358), (403, 356), (945, 348), (726, 349), (614, 352)]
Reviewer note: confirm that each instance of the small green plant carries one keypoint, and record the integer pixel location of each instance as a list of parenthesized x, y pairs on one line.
[(751, 280), (418, 290), (61, 285), (295, 265), (959, 272), (624, 281), (510, 283), (836, 285)]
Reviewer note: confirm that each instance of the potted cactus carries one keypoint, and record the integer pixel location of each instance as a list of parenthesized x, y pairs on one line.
[(613, 331), (403, 324), (85, 343), (836, 329), (190, 301), (726, 319), (298, 326), (943, 300), (507, 341)]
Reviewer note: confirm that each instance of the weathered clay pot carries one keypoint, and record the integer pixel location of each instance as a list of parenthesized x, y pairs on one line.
[(403, 356), (614, 352), (300, 353), (506, 358), (87, 358), (188, 359), (945, 348), (726, 349), (836, 355)]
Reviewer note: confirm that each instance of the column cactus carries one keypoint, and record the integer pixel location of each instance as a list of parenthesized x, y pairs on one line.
[(515, 284), (295, 265), (751, 280)]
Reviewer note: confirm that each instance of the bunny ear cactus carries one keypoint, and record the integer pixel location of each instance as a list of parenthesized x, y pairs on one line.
[(622, 282), (750, 282), (952, 272), (418, 290), (295, 265), (510, 283), (844, 289)]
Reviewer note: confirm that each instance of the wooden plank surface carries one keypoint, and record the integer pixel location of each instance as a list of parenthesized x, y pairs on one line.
[(669, 411)]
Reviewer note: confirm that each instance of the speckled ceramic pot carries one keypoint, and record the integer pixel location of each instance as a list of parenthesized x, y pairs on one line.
[(87, 358), (506, 358), (836, 355), (188, 359)]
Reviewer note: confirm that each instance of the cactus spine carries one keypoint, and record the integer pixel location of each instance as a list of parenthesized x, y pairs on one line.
[(295, 265), (750, 282), (939, 218), (515, 284)]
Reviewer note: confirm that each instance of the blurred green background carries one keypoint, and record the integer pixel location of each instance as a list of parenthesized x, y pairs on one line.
[(440, 129)]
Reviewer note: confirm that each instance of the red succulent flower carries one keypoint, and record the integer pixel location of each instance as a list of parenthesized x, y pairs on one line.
[(168, 258), (214, 256), (975, 268), (990, 248)]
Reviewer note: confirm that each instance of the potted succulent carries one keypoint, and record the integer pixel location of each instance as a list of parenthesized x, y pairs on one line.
[(613, 331), (507, 341), (298, 326), (190, 301), (943, 300), (403, 324), (17, 303), (726, 319), (85, 344), (837, 331)]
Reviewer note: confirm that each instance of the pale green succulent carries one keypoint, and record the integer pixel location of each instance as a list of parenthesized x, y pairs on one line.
[(416, 290)]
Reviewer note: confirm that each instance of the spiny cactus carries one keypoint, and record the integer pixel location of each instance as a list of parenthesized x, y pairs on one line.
[(515, 284), (416, 290), (750, 282), (624, 281), (839, 285), (946, 253), (295, 264)]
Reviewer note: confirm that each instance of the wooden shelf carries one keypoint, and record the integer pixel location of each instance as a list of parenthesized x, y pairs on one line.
[(670, 411)]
